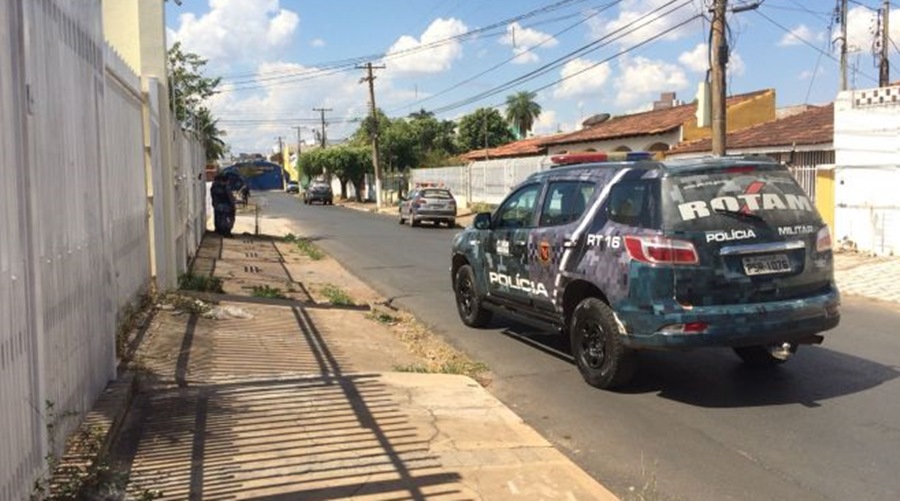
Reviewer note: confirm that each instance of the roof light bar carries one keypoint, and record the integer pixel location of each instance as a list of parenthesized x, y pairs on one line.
[(601, 156)]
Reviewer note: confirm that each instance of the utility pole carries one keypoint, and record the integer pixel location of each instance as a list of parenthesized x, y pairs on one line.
[(719, 59), (374, 114), (322, 110), (283, 162), (884, 70), (299, 141), (843, 44)]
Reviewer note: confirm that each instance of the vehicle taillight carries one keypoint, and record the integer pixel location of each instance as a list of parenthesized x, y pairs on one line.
[(661, 250), (686, 328), (823, 240)]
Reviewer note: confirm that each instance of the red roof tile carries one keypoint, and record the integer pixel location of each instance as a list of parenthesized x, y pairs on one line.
[(522, 148), (642, 124), (814, 126)]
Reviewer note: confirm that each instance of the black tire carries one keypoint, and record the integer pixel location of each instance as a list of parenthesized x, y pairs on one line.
[(468, 303), (451, 223), (760, 356), (412, 220), (603, 360), (401, 221)]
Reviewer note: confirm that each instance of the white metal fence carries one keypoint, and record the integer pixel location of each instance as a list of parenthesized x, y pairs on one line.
[(489, 181), (484, 181), (75, 243)]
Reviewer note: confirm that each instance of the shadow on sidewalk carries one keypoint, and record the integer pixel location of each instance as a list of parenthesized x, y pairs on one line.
[(288, 425)]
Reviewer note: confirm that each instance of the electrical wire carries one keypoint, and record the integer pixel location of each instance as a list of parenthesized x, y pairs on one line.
[(611, 37), (507, 60), (809, 44), (470, 34)]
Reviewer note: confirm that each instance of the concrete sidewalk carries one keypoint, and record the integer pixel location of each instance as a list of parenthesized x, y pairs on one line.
[(299, 398)]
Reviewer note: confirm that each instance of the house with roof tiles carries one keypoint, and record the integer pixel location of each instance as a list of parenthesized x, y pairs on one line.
[(667, 124), (803, 139)]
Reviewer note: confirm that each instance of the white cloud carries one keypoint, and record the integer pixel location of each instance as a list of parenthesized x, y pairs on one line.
[(317, 42), (405, 56), (582, 79), (697, 59), (634, 13), (643, 79), (523, 40), (861, 26), (236, 31), (801, 35), (274, 109), (736, 64)]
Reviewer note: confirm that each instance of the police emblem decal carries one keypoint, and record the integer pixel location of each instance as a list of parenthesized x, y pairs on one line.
[(544, 252)]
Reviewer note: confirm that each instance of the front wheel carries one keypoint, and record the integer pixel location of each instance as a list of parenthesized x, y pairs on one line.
[(603, 360), (468, 303)]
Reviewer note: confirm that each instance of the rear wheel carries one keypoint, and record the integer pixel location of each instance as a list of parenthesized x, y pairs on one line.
[(766, 355), (603, 360), (468, 303)]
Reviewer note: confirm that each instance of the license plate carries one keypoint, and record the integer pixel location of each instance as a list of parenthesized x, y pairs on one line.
[(764, 265)]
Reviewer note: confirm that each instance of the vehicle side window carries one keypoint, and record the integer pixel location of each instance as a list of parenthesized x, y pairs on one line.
[(565, 202), (631, 203), (518, 210)]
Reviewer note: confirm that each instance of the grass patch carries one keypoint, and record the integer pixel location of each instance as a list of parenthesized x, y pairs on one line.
[(336, 295), (382, 317), (438, 357), (477, 207), (290, 238), (266, 291), (186, 304), (309, 249), (201, 283)]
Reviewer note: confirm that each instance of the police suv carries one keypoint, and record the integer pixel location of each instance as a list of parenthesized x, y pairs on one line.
[(640, 254)]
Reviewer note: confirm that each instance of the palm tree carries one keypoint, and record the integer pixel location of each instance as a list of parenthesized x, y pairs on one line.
[(209, 134), (522, 111)]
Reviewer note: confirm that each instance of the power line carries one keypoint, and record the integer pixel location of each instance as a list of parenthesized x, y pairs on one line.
[(550, 66), (809, 44), (510, 59), (470, 34)]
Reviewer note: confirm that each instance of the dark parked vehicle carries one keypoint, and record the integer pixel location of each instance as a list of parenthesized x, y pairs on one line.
[(318, 192), (640, 254), (435, 205)]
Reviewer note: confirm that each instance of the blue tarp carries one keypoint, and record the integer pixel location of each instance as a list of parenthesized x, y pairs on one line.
[(259, 174)]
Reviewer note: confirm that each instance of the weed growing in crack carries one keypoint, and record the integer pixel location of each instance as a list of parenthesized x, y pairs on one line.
[(267, 291), (337, 296), (201, 283), (309, 249)]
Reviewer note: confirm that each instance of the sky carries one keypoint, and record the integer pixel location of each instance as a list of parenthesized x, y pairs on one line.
[(280, 60)]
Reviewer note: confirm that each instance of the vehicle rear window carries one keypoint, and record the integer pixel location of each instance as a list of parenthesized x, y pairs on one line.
[(634, 203), (436, 194), (721, 199)]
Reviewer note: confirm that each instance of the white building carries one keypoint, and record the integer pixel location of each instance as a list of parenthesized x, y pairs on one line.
[(867, 169)]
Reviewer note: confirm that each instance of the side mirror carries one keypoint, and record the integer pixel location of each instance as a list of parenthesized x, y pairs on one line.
[(482, 221)]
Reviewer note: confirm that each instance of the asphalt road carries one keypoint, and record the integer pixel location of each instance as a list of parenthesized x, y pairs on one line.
[(694, 425)]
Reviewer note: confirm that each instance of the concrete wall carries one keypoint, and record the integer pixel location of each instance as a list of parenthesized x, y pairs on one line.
[(867, 169), (83, 156)]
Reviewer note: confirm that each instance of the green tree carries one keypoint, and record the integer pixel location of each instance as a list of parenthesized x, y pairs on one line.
[(210, 135), (484, 127), (188, 85), (522, 111)]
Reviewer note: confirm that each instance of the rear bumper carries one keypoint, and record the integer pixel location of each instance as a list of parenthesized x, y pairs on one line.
[(434, 215), (733, 325)]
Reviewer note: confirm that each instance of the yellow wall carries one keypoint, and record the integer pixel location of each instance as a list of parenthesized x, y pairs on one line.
[(825, 196), (120, 28), (745, 114)]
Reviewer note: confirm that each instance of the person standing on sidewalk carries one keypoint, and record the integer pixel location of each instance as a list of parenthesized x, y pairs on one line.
[(223, 205)]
